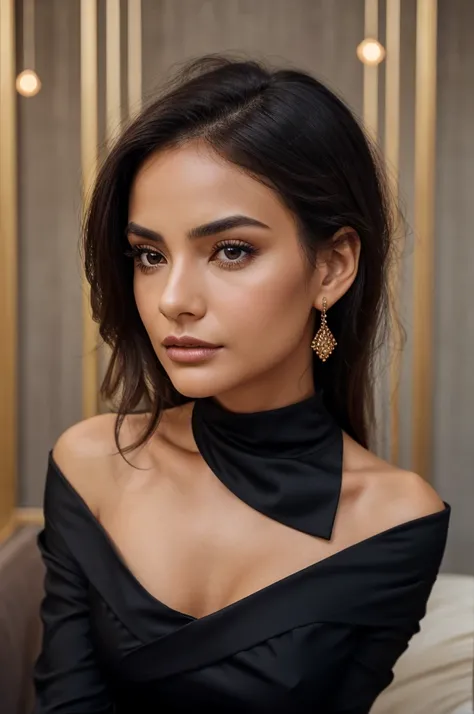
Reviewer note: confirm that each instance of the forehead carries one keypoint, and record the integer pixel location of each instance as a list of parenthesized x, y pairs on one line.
[(194, 181)]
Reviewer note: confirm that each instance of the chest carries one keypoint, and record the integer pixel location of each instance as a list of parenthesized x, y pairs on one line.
[(197, 548)]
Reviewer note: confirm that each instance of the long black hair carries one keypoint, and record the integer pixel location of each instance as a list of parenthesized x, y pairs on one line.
[(289, 131)]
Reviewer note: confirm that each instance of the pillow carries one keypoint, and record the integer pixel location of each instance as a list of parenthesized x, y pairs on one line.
[(435, 674)]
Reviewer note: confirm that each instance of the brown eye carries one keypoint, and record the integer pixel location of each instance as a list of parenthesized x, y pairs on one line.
[(232, 252), (144, 258), (149, 259)]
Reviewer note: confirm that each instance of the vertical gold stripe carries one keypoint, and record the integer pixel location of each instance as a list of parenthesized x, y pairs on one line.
[(392, 153), (113, 112), (9, 528), (28, 34), (89, 140), (134, 45), (8, 268), (113, 106), (371, 86), (425, 138), (370, 116)]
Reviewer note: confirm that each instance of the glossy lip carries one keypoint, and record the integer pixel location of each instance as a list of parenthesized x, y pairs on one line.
[(191, 355), (186, 341)]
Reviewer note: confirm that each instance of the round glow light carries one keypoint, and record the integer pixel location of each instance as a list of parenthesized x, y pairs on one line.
[(370, 52), (28, 83)]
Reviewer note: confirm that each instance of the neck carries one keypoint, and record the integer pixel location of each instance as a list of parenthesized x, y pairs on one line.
[(279, 387), (284, 460)]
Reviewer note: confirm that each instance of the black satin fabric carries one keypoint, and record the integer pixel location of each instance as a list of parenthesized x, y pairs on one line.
[(323, 640), (285, 462)]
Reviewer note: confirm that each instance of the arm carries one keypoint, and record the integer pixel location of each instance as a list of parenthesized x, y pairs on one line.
[(369, 671), (67, 677), (415, 560)]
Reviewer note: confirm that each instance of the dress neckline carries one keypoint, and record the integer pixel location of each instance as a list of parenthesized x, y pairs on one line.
[(328, 563)]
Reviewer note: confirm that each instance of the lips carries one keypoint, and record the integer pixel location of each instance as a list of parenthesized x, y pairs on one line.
[(187, 342), (190, 352), (192, 345)]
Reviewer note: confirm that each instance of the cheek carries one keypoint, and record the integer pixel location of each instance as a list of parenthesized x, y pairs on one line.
[(272, 307), (146, 300)]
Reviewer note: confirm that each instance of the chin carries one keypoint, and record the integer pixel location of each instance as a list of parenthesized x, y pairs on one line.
[(194, 388), (199, 386)]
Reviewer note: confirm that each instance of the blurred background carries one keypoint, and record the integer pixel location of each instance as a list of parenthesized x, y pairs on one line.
[(405, 67)]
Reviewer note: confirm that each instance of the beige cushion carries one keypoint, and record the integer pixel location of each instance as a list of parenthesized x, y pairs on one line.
[(435, 674)]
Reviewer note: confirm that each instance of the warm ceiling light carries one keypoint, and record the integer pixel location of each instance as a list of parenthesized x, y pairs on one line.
[(370, 52), (28, 83)]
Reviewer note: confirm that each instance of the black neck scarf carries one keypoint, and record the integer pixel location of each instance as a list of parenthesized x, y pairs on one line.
[(285, 463)]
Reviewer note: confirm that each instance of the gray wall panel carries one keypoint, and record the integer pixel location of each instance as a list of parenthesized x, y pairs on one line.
[(321, 36)]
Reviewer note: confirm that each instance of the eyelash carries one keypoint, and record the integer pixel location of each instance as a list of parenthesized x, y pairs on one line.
[(136, 251)]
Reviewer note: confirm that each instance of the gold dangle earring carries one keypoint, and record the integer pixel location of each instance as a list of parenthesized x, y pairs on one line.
[(323, 343)]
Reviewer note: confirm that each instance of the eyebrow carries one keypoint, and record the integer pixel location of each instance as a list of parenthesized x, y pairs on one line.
[(204, 231)]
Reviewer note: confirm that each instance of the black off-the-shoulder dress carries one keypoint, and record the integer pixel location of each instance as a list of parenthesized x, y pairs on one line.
[(322, 640)]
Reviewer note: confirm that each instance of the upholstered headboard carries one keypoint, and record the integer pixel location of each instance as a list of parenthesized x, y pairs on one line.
[(21, 591)]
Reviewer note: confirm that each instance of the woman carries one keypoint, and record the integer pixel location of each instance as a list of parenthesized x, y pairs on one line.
[(226, 542)]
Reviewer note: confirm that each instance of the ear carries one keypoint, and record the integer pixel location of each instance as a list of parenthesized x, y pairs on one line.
[(337, 265)]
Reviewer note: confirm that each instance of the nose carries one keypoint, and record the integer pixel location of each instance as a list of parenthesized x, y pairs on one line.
[(183, 293)]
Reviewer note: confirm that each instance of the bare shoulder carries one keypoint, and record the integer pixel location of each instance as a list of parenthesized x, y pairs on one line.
[(406, 496), (390, 496), (87, 455)]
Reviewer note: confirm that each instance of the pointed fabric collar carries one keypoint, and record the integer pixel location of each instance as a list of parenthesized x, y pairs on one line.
[(285, 463)]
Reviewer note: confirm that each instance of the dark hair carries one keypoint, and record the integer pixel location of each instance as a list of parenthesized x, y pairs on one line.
[(292, 133)]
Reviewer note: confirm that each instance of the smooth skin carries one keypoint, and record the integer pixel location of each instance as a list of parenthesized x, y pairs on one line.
[(250, 289)]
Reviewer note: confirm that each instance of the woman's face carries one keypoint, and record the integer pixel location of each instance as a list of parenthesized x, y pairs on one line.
[(248, 289)]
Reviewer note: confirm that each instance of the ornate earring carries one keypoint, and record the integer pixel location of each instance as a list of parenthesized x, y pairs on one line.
[(323, 343)]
